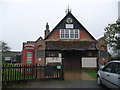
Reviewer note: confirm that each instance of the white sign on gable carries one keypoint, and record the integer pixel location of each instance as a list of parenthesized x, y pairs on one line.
[(69, 26)]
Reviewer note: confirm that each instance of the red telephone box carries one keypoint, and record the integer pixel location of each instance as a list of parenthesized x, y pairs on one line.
[(28, 55), (28, 59)]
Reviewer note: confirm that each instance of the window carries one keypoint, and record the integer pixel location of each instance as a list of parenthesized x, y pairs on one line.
[(108, 68), (103, 53), (112, 68), (69, 33), (89, 54), (102, 47), (118, 69), (76, 33), (29, 56), (40, 53), (115, 68), (66, 33), (52, 53), (62, 33)]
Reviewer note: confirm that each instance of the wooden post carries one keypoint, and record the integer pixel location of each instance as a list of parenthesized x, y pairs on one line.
[(24, 71), (11, 73), (36, 70), (15, 74), (3, 74), (20, 73), (8, 72)]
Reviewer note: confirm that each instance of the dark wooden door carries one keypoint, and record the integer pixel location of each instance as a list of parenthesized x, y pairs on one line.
[(72, 60)]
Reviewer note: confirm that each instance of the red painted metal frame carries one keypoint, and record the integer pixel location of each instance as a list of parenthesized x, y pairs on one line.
[(25, 50)]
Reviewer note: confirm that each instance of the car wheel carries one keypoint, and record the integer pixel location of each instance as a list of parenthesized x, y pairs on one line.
[(99, 81)]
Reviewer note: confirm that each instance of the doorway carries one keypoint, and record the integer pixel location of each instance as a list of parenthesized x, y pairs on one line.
[(72, 60)]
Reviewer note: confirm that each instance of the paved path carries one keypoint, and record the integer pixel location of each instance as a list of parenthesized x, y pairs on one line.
[(77, 75), (62, 84)]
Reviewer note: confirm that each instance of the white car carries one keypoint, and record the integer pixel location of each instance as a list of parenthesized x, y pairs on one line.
[(110, 75)]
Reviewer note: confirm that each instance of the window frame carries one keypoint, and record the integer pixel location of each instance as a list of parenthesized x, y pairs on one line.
[(52, 53), (109, 66), (63, 33), (115, 69), (29, 56), (39, 53), (112, 66)]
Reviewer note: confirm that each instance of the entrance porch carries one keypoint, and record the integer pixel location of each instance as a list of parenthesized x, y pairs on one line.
[(74, 56)]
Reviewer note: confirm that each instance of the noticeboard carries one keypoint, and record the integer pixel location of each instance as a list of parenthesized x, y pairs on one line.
[(58, 67)]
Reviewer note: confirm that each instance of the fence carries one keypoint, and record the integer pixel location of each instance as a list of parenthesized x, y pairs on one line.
[(19, 73)]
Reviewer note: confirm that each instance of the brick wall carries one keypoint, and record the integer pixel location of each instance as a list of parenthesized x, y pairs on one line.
[(84, 35), (56, 35), (102, 46), (40, 45)]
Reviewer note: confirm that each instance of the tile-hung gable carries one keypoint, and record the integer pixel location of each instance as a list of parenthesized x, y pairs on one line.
[(69, 28)]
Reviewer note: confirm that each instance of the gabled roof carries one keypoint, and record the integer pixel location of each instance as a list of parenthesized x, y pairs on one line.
[(40, 38), (61, 25), (71, 45), (102, 38)]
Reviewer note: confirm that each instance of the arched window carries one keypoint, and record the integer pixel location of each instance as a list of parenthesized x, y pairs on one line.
[(102, 47)]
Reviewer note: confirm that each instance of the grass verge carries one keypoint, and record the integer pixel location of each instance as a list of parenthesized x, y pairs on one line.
[(92, 73)]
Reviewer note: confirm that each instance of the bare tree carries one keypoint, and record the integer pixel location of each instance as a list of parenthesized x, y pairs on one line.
[(4, 46)]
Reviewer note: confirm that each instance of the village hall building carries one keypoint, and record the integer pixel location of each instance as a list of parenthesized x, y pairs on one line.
[(69, 44)]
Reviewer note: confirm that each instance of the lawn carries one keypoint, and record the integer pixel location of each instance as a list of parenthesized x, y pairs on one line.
[(92, 73)]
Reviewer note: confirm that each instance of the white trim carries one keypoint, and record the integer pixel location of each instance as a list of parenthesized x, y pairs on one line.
[(29, 48), (29, 45), (70, 33), (89, 62)]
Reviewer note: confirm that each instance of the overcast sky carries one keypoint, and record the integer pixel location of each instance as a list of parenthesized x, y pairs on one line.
[(25, 20)]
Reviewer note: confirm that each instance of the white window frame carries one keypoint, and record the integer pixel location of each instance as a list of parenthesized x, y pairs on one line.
[(29, 56), (69, 34)]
